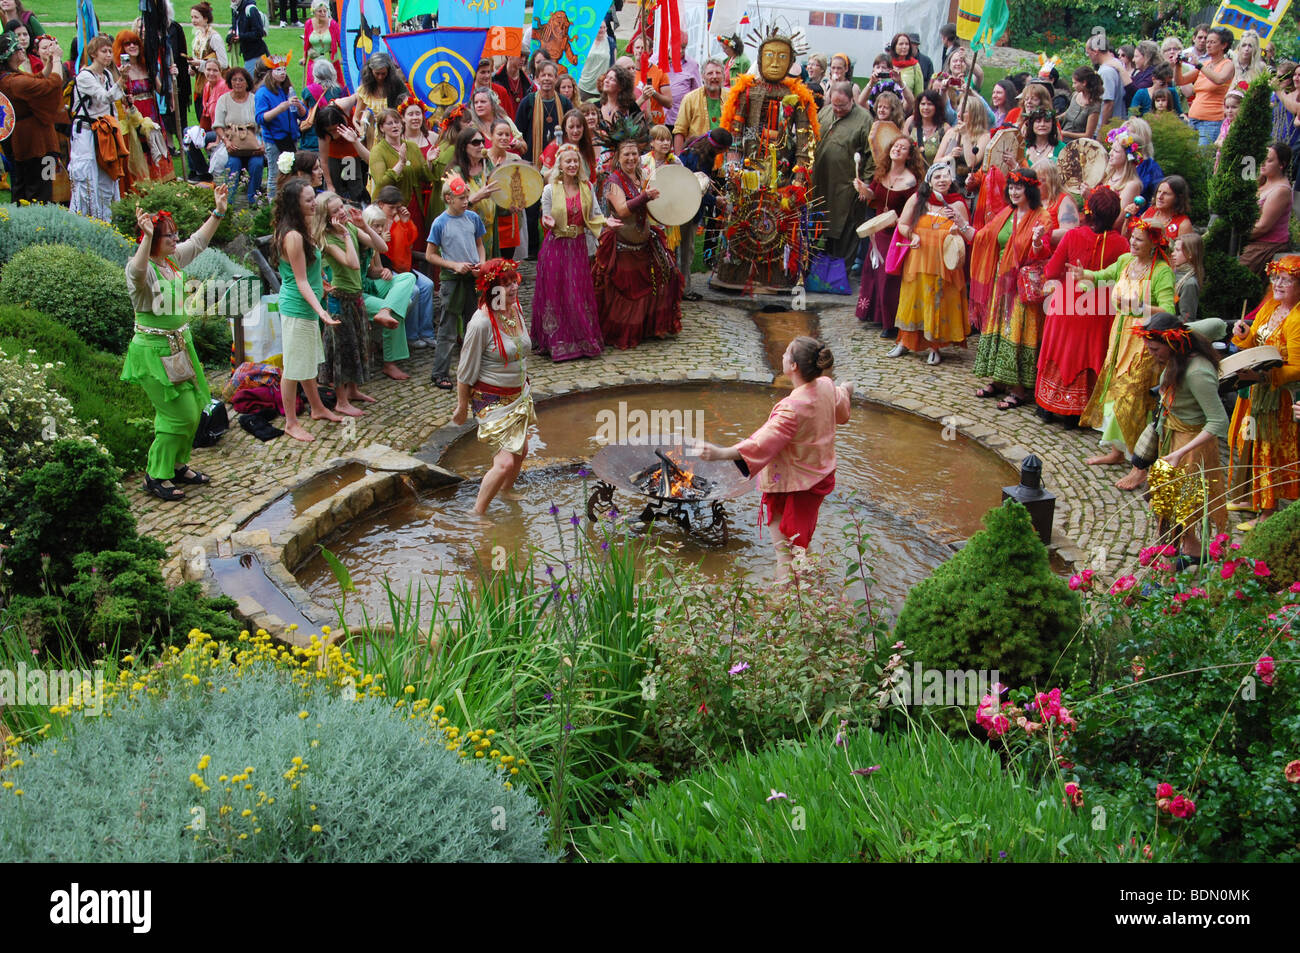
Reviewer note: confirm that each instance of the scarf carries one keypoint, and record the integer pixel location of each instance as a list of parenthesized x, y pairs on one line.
[(988, 268), (539, 124), (560, 212), (1265, 399), (902, 64)]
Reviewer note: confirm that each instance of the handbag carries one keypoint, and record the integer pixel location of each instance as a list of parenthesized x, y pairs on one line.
[(179, 367), (827, 275), (244, 141), (213, 424), (1030, 284), (897, 253)]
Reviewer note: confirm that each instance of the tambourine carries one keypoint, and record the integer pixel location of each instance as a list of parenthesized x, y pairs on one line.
[(878, 223), (954, 250), (1258, 359)]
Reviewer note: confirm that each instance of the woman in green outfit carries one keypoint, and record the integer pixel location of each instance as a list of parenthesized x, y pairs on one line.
[(1142, 284), (161, 356), (397, 161)]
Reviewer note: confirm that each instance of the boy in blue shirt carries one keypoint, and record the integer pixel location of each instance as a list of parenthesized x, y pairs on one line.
[(456, 247), (278, 110)]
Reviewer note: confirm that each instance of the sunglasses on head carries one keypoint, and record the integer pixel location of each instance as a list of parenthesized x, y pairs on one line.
[(476, 142)]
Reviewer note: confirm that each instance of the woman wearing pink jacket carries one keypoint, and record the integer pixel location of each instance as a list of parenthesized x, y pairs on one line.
[(794, 452)]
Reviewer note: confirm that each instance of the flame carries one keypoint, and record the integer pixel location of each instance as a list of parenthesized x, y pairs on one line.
[(680, 485)]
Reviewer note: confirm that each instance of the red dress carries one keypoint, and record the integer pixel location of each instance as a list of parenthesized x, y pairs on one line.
[(878, 293), (1077, 322)]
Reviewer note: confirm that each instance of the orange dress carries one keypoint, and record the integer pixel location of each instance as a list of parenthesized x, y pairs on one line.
[(1263, 432), (932, 299)]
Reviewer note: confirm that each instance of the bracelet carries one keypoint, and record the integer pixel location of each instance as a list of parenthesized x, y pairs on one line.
[(216, 214)]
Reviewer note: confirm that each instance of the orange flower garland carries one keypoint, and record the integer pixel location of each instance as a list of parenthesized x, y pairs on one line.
[(741, 88)]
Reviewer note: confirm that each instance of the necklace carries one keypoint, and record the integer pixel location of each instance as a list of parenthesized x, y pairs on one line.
[(1138, 270)]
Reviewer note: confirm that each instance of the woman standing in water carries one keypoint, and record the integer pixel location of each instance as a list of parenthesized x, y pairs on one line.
[(794, 452)]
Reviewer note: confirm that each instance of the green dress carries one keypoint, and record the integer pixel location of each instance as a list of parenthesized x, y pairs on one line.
[(177, 406)]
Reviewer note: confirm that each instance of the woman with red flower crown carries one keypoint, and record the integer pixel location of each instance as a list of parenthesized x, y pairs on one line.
[(492, 378)]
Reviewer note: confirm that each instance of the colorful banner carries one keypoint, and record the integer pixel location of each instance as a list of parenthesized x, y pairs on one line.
[(993, 23), (361, 24), (968, 18), (565, 30), (87, 27), (439, 64), (502, 19), (1241, 15), (410, 9)]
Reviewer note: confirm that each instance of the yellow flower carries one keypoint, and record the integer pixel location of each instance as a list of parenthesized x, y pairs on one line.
[(18, 792), (204, 762), (245, 813), (438, 709), (7, 785), (243, 837), (315, 828), (303, 714), (313, 807), (297, 760)]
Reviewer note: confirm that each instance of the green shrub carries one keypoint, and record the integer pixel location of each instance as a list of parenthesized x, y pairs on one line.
[(24, 225), (119, 598), (783, 663), (1232, 191), (931, 799), (33, 416), (89, 379), (1178, 151), (1195, 707), (996, 605), (1233, 282), (256, 763), (262, 220), (214, 263), (1276, 541), (79, 289), (190, 206), (71, 504)]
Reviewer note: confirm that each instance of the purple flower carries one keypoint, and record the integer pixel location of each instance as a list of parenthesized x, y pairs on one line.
[(866, 771), (839, 735), (1002, 853), (575, 519), (553, 510), (550, 571), (583, 473), (548, 696), (613, 514), (777, 794), (604, 546), (737, 668), (568, 727)]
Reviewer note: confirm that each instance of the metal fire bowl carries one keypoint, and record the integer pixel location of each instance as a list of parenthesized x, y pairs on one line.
[(616, 464)]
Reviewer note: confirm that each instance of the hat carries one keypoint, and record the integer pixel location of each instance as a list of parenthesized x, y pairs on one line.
[(455, 185), (9, 45)]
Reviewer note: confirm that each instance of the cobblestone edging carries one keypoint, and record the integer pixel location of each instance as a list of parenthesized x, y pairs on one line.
[(719, 341)]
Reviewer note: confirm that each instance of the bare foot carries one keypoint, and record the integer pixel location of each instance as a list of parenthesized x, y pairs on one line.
[(1105, 459), (298, 432), (1133, 480), (510, 495), (395, 372), (349, 410), (364, 398), (326, 414), (384, 318)]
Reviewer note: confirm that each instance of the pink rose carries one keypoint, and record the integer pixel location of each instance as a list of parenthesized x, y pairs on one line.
[(1292, 771), (1228, 569), (1182, 806), (1164, 789), (1123, 584), (1264, 669), (1261, 569)]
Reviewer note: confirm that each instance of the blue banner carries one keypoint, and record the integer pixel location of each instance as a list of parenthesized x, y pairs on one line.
[(438, 64), (87, 27), (361, 24), (566, 29), (503, 19)]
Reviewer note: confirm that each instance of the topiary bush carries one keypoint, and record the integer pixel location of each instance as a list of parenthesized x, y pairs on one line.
[(24, 225), (1234, 186), (1179, 153), (995, 605), (33, 416), (117, 413), (79, 289), (259, 760), (1276, 541), (190, 206)]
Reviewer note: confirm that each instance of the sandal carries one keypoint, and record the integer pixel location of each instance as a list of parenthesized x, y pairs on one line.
[(692, 296), (992, 390), (162, 489), (1011, 401), (444, 383), (188, 475)]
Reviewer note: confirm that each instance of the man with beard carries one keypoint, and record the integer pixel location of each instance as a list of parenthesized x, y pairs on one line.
[(844, 132), (538, 117), (700, 109)]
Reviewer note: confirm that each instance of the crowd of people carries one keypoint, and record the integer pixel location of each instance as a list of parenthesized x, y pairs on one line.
[(393, 232)]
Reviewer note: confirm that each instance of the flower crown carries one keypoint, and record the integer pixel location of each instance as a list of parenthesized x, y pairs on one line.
[(1289, 265), (410, 100), (453, 114), (885, 86), (1047, 64), (1017, 177), (496, 271), (157, 219), (277, 62), (1179, 339), (1122, 137)]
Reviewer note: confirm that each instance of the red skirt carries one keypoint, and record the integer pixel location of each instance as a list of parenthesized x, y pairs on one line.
[(796, 511)]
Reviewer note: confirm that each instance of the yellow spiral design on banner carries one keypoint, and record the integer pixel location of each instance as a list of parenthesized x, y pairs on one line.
[(437, 72)]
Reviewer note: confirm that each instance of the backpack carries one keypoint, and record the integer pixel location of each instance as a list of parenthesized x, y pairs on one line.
[(213, 424)]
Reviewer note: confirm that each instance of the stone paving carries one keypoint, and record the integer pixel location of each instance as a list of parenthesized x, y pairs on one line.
[(720, 341)]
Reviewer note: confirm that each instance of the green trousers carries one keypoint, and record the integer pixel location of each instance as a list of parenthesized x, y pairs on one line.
[(174, 424), (395, 295)]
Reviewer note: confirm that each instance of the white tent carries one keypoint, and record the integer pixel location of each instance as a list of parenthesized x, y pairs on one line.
[(860, 29)]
